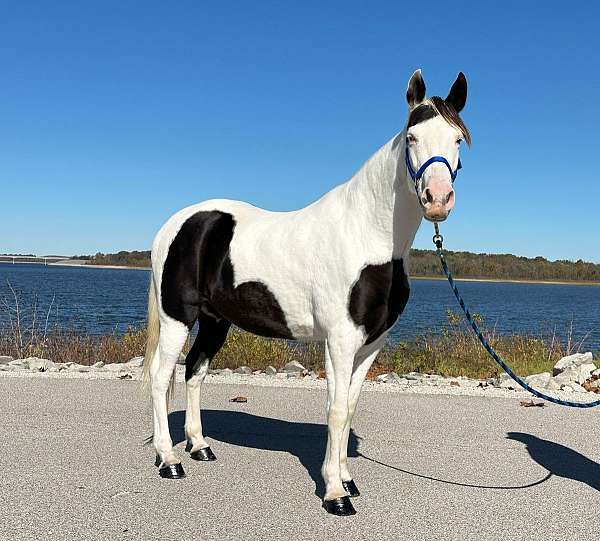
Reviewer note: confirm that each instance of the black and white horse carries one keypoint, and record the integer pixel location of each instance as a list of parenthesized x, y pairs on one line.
[(336, 271)]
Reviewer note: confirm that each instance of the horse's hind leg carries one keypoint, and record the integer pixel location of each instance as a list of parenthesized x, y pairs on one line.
[(210, 339), (173, 335)]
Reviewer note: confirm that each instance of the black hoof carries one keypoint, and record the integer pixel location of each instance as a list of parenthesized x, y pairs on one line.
[(172, 471), (341, 507), (205, 455), (351, 488)]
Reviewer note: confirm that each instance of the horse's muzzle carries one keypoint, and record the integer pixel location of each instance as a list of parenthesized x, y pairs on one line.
[(437, 201)]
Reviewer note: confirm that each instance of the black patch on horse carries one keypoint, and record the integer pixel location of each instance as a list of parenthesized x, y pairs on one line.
[(421, 114), (197, 280), (378, 297)]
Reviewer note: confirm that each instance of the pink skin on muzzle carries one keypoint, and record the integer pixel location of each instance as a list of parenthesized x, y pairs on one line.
[(437, 199)]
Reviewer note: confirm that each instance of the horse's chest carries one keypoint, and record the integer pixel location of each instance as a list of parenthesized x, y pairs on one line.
[(378, 297)]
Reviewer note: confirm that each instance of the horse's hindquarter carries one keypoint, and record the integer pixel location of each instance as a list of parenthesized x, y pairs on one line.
[(227, 259)]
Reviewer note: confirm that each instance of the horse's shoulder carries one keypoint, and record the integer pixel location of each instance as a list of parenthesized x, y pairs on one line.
[(379, 296)]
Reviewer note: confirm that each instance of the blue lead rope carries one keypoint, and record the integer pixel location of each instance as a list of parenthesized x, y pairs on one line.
[(438, 240)]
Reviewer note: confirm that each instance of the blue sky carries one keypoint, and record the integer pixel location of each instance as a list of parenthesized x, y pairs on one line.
[(113, 115)]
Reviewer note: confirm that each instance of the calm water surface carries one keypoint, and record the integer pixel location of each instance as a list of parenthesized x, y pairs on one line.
[(106, 300)]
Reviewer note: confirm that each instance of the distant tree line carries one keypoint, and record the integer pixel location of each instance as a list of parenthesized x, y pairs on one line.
[(503, 266), (426, 263), (122, 259)]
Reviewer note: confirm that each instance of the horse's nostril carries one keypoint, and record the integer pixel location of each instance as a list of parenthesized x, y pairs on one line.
[(450, 196), (428, 196)]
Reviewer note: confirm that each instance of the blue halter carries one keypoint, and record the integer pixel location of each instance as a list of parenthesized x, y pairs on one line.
[(416, 175)]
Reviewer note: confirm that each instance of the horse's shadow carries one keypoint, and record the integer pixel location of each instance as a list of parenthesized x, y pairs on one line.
[(560, 460), (306, 441)]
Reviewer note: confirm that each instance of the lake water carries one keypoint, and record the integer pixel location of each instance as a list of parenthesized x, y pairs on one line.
[(109, 300)]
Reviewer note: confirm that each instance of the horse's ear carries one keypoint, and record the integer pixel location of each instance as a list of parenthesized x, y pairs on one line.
[(457, 96), (415, 93)]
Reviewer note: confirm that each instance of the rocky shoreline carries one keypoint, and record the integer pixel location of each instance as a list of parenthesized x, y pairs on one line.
[(575, 377)]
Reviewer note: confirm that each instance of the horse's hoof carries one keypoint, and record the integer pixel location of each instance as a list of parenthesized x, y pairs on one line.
[(205, 455), (351, 488), (341, 507), (172, 471)]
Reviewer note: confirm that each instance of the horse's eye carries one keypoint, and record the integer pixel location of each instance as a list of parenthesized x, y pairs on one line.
[(410, 138), (459, 141)]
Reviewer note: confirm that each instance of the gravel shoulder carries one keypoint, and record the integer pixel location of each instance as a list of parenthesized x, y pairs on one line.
[(422, 384)]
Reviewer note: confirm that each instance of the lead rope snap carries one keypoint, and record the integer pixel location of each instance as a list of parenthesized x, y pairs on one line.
[(438, 240)]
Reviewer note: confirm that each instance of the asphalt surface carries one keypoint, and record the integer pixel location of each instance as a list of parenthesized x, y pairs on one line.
[(74, 466)]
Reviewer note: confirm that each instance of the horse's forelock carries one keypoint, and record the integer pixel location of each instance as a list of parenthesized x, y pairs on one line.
[(435, 106)]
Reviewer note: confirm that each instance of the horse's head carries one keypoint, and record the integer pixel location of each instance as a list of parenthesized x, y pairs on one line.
[(434, 132)]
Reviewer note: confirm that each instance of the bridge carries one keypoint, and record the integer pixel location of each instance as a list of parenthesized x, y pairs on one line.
[(40, 259)]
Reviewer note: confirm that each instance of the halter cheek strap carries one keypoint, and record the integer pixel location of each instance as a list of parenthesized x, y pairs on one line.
[(416, 175)]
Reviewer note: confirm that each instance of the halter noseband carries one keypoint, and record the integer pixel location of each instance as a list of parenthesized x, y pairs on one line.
[(416, 175)]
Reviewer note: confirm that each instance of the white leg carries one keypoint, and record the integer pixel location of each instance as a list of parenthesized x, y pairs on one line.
[(193, 423), (341, 350), (172, 339), (362, 364)]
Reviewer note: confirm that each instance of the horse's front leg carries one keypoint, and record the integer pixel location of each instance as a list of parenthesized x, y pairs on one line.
[(340, 351), (363, 361)]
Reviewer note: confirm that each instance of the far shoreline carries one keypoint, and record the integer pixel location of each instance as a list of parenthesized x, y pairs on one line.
[(438, 278)]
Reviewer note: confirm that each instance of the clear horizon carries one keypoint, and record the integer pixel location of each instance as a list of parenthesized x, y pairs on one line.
[(116, 116)]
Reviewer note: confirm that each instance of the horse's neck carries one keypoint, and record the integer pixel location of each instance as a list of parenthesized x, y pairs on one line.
[(382, 202)]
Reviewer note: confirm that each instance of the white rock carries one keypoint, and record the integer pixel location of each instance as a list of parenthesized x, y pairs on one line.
[(114, 367), (567, 375), (540, 381), (506, 382), (271, 371), (136, 362), (98, 365), (585, 372), (577, 359), (74, 367), (552, 385), (596, 372), (293, 367), (391, 377), (226, 371), (575, 387), (39, 365), (413, 376), (5, 359), (245, 370), (17, 363)]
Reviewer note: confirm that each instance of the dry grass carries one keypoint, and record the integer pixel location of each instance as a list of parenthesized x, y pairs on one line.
[(456, 351)]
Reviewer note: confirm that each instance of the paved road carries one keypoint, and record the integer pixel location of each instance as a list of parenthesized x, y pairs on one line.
[(74, 466)]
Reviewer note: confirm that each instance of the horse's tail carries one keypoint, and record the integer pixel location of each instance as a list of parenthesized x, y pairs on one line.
[(153, 332)]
